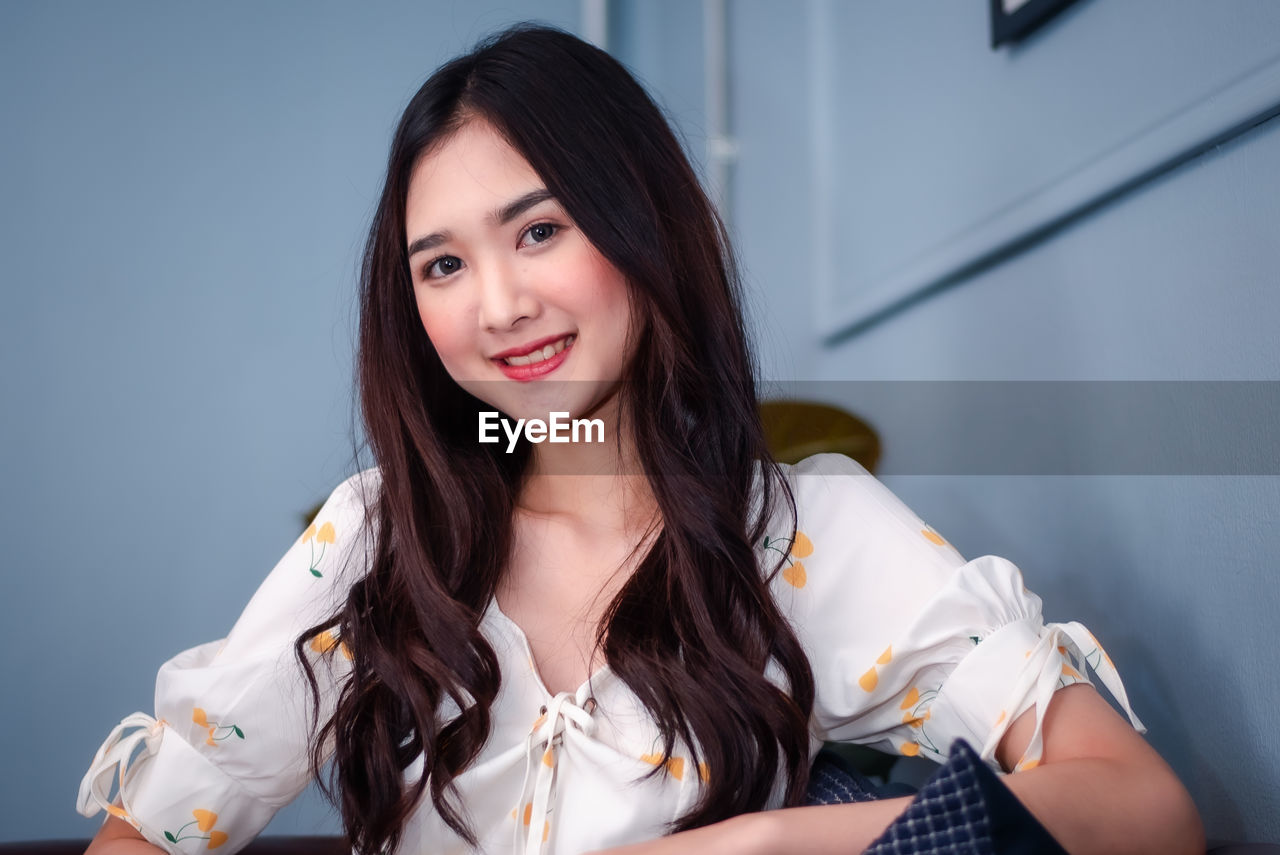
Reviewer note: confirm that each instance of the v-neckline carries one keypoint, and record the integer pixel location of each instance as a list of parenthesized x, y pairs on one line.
[(583, 691)]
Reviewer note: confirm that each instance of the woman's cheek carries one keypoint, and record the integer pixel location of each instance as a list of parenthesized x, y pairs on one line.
[(441, 333), (445, 344)]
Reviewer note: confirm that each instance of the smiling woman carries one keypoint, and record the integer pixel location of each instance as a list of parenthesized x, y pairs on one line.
[(640, 642), (506, 284)]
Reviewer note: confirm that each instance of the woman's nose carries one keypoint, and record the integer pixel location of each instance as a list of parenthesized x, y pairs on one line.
[(505, 297)]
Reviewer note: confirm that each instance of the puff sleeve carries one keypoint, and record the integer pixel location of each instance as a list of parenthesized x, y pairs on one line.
[(912, 646), (229, 742)]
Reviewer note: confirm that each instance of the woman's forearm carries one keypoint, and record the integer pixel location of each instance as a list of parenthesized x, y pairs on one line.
[(834, 829), (1098, 805), (820, 829), (1088, 805)]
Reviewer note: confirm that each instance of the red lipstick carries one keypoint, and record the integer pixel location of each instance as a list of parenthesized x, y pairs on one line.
[(532, 371)]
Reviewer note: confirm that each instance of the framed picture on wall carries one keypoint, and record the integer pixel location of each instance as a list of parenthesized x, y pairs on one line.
[(1012, 20)]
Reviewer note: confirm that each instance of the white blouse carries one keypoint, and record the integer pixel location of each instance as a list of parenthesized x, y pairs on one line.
[(911, 647)]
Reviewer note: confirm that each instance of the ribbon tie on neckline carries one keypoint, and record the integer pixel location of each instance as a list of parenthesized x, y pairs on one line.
[(541, 754)]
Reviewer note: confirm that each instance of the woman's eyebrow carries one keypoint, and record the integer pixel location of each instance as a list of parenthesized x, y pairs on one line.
[(501, 216), (511, 210)]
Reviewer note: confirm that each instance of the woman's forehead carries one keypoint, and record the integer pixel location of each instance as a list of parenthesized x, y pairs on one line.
[(470, 173)]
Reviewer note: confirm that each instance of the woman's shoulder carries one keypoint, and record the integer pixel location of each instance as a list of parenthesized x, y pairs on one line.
[(847, 519), (834, 493), (357, 491), (342, 527), (343, 520), (312, 579), (818, 468)]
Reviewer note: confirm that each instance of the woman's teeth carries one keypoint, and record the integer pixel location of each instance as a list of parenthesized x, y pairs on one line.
[(540, 355)]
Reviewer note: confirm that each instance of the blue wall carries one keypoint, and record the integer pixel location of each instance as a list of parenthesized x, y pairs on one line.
[(185, 191), (1172, 278)]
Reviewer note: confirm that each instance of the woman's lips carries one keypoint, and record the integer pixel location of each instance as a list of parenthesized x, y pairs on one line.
[(555, 342), (534, 370)]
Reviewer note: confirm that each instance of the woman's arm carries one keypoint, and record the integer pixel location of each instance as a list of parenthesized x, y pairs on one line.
[(1100, 788), (117, 837)]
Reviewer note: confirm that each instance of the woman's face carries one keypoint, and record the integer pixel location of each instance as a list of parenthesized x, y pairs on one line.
[(523, 311)]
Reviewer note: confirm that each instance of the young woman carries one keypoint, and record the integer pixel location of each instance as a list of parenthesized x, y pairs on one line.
[(638, 639)]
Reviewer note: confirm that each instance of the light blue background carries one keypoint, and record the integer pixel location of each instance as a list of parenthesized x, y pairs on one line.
[(185, 191)]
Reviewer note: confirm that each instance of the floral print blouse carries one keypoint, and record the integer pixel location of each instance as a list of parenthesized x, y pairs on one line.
[(912, 647)]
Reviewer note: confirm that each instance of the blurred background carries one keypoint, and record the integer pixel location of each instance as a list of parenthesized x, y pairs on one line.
[(184, 190)]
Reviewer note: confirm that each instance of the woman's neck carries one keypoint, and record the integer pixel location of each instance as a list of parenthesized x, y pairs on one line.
[(600, 484)]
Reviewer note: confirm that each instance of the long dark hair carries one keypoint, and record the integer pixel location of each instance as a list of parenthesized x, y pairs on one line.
[(694, 627)]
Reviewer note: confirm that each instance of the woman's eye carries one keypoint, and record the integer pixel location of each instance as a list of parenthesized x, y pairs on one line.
[(538, 233), (445, 265)]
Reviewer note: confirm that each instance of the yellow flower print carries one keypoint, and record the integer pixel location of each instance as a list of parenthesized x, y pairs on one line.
[(205, 820), (326, 641), (798, 547), (217, 731), (795, 575), (675, 765), (916, 715), (120, 813), (1097, 656), (871, 679), (1069, 673), (933, 537), (528, 818), (323, 642), (325, 535), (704, 772), (910, 749), (916, 721)]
